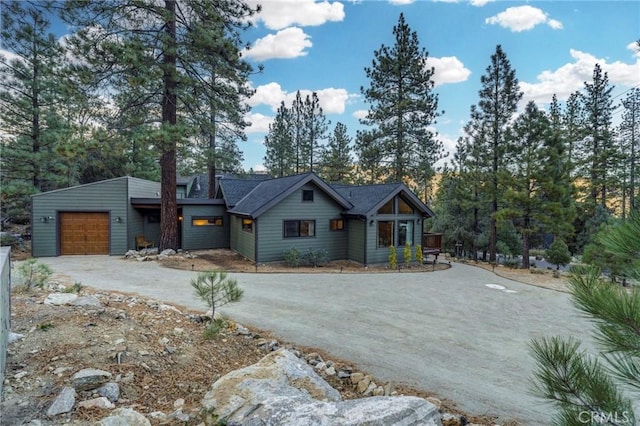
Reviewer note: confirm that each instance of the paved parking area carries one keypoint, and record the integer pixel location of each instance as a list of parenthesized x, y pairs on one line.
[(462, 333)]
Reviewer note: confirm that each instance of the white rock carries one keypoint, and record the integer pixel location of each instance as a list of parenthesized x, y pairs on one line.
[(14, 337), (63, 403), (125, 417), (100, 402), (59, 299)]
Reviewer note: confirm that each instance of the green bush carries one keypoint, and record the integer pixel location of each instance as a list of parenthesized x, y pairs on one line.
[(34, 273), (292, 257), (537, 253), (393, 258), (216, 326), (512, 263), (558, 253), (312, 257), (419, 255), (406, 252), (315, 258)]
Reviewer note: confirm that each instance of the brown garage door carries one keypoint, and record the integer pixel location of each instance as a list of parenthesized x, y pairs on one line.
[(84, 233)]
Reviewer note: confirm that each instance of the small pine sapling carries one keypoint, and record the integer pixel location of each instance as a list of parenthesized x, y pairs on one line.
[(34, 273), (393, 258), (407, 255), (216, 289)]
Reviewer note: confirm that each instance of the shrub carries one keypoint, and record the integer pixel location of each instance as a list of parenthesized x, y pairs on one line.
[(407, 255), (558, 253), (393, 258), (292, 257), (537, 253), (512, 263), (214, 288), (315, 258), (216, 326), (34, 273), (419, 255)]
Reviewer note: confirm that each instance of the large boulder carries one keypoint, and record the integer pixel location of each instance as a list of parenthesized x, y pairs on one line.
[(279, 373), (283, 389), (379, 410)]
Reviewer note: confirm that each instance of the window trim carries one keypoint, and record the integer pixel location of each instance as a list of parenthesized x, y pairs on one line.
[(247, 225), (209, 219), (307, 191), (336, 228), (299, 221), (393, 230)]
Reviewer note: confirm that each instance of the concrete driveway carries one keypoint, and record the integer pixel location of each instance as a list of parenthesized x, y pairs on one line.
[(462, 333)]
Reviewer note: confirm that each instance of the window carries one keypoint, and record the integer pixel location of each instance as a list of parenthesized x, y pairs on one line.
[(404, 207), (206, 221), (247, 225), (336, 224), (299, 228), (385, 233), (388, 208), (307, 195), (405, 232)]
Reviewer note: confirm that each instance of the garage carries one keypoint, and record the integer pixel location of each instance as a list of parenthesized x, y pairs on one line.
[(84, 233)]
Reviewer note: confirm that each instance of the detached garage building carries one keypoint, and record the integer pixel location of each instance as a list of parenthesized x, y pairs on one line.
[(96, 218)]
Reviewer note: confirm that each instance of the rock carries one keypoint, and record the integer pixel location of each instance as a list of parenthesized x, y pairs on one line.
[(180, 416), (158, 415), (89, 378), (63, 403), (356, 378), (100, 402), (370, 389), (59, 299), (449, 419), (388, 390), (363, 384), (320, 366), (124, 417), (330, 371), (20, 375), (435, 401), (379, 391), (110, 390), (14, 337), (91, 301), (280, 373), (58, 371), (131, 253), (380, 410), (241, 330), (168, 252), (178, 403), (344, 374)]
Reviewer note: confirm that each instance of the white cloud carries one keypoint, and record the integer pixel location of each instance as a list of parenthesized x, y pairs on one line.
[(480, 3), (259, 123), (9, 56), (332, 100), (633, 46), (522, 18), (284, 13), (448, 69), (285, 44), (259, 168), (571, 77), (401, 2), (360, 114)]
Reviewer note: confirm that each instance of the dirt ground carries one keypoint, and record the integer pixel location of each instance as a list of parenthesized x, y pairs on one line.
[(158, 351)]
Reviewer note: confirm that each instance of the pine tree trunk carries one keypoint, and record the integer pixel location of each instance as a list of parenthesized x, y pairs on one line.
[(168, 201)]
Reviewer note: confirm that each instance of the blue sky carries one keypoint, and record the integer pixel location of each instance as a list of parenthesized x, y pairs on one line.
[(324, 46)]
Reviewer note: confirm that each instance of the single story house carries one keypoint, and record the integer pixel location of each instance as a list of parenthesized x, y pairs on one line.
[(258, 217)]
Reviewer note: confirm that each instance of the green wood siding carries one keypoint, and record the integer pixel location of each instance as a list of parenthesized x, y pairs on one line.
[(381, 254), (356, 246), (271, 242), (137, 222), (241, 241), (204, 237), (106, 196)]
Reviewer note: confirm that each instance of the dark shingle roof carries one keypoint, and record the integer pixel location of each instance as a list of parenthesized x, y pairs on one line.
[(234, 190), (270, 192), (367, 199)]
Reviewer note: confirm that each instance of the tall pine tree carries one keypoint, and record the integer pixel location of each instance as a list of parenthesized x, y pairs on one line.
[(336, 156), (402, 109), (280, 156), (499, 98)]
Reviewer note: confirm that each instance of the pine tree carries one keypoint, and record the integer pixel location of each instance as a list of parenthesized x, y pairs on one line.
[(159, 51), (32, 87), (402, 109), (315, 130), (630, 139), (523, 202), (280, 157), (499, 98), (336, 157), (589, 389), (600, 155), (296, 120)]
